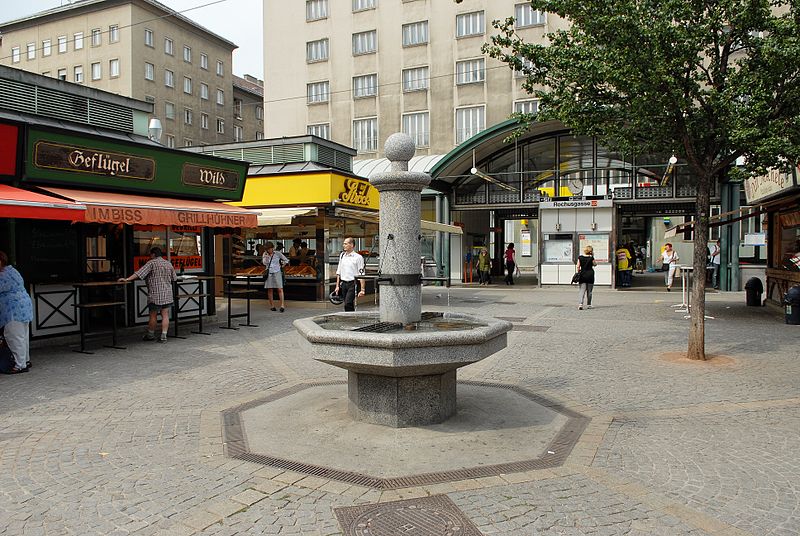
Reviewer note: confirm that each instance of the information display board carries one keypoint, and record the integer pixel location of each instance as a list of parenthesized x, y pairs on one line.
[(525, 243), (558, 251), (599, 243)]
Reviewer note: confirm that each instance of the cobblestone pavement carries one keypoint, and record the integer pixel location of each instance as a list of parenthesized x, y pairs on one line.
[(129, 441)]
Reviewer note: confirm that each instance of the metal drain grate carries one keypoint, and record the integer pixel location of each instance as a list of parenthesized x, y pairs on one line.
[(381, 327), (436, 515), (513, 319), (528, 327), (235, 438)]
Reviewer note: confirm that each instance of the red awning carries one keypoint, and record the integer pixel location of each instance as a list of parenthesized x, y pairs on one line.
[(107, 207), (16, 203)]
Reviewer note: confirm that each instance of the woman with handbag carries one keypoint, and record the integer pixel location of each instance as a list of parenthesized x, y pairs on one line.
[(669, 260), (510, 258), (16, 313), (585, 273), (274, 262)]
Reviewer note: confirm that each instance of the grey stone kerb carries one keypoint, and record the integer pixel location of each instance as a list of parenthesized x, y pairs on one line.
[(399, 235)]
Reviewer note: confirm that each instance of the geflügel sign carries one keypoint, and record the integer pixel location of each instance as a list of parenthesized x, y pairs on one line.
[(47, 155), (209, 177)]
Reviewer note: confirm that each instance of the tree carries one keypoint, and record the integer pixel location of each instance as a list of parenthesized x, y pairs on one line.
[(708, 80)]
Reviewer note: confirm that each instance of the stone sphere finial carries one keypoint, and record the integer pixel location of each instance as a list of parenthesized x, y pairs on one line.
[(399, 149)]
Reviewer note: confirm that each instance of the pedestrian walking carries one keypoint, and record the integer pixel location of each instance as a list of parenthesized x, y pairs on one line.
[(511, 263), (715, 259), (351, 265), (585, 269), (16, 314), (669, 263), (159, 275), (274, 261), (484, 266)]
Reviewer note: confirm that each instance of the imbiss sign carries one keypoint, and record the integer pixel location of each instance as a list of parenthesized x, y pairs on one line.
[(47, 155), (208, 177)]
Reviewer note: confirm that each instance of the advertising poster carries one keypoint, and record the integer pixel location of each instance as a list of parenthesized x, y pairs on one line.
[(599, 243), (525, 243)]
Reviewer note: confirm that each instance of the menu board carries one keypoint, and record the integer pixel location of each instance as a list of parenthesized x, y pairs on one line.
[(599, 243)]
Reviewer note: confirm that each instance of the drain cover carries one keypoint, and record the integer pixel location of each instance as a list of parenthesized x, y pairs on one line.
[(513, 319), (528, 327), (432, 516)]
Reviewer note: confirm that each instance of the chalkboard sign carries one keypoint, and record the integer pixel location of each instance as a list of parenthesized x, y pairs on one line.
[(48, 251)]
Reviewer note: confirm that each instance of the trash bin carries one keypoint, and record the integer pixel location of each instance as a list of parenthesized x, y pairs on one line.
[(754, 288), (791, 300)]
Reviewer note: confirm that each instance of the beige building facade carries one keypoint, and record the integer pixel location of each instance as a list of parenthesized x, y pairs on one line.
[(135, 48), (248, 108), (355, 71)]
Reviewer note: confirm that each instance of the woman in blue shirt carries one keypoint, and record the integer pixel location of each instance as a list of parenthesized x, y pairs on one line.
[(16, 313)]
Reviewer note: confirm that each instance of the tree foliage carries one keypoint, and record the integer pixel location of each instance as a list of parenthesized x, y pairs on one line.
[(710, 80)]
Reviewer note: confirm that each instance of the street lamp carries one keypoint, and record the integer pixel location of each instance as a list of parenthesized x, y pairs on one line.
[(154, 130), (670, 166), (489, 178)]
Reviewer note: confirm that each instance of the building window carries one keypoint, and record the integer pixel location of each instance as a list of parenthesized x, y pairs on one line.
[(365, 135), (365, 86), (47, 48), (365, 43), (526, 107), (527, 65), (415, 33), (468, 24), (318, 92), (170, 141), (169, 110), (62, 74), (77, 74), (220, 68), (469, 121), (259, 113), (187, 54), (470, 71), (188, 116), (149, 40), (203, 91), (113, 33), (62, 44), (316, 9), (204, 61), (322, 130), (97, 37), (97, 71), (169, 78), (259, 135), (238, 133), (237, 108), (220, 96), (361, 5), (187, 85), (418, 126), (149, 71), (317, 50), (169, 46), (77, 40), (31, 49), (204, 121), (187, 142), (220, 126), (15, 55), (525, 16), (416, 79)]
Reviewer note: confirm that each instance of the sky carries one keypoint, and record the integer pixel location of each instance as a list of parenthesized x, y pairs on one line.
[(239, 21)]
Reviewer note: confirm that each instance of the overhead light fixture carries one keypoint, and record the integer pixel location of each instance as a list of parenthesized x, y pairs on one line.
[(154, 130), (487, 178), (667, 172)]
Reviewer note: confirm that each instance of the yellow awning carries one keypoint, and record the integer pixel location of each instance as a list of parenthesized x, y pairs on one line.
[(307, 189)]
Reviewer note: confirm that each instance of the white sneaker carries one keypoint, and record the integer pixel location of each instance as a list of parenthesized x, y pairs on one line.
[(589, 307), (580, 307)]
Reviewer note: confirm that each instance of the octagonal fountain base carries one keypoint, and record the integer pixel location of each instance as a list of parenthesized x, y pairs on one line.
[(402, 375)]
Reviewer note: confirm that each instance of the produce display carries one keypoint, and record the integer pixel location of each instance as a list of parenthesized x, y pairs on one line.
[(302, 270), (255, 270)]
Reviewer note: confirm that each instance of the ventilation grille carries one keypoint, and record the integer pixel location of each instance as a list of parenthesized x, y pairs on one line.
[(62, 105), (283, 154), (326, 156), (17, 97), (344, 161), (104, 114), (257, 155)]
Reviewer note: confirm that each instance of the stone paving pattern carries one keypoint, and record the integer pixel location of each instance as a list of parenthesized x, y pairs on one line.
[(129, 441)]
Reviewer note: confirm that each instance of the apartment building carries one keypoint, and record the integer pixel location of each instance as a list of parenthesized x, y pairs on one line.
[(355, 71), (136, 48), (248, 108)]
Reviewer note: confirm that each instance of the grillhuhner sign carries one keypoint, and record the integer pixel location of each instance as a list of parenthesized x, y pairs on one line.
[(194, 175), (85, 160)]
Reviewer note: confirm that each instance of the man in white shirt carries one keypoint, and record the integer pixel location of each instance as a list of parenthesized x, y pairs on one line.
[(351, 265), (715, 258)]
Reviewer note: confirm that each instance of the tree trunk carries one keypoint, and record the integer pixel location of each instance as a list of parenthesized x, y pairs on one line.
[(697, 329)]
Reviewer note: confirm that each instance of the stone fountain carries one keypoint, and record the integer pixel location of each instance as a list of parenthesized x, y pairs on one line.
[(401, 362)]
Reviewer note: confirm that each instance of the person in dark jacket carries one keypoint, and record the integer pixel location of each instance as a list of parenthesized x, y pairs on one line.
[(585, 267)]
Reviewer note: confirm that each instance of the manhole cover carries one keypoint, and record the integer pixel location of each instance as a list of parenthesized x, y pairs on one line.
[(513, 319), (527, 327), (432, 516)]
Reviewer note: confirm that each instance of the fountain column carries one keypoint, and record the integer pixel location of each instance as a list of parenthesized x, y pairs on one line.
[(399, 235)]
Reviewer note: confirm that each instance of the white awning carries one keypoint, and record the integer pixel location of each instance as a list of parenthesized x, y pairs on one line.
[(425, 225), (283, 216)]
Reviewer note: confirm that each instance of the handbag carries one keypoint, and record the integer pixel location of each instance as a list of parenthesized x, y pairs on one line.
[(665, 267), (576, 278)]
